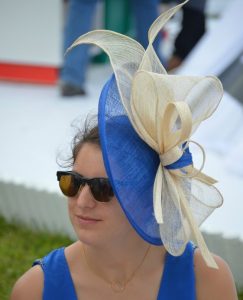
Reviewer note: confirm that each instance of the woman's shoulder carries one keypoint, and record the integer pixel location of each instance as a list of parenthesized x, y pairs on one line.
[(215, 284), (29, 285)]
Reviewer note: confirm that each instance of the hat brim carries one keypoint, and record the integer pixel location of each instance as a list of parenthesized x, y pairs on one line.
[(130, 164)]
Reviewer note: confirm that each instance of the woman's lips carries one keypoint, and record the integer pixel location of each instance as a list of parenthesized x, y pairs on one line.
[(85, 220)]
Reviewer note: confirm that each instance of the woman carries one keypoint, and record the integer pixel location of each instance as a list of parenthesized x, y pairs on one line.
[(134, 196), (110, 260)]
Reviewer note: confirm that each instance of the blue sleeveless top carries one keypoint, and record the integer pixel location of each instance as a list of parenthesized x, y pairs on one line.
[(177, 283)]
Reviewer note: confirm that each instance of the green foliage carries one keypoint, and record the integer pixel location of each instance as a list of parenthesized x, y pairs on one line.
[(240, 295), (19, 247)]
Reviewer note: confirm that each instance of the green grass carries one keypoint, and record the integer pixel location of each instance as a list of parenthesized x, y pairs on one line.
[(19, 247)]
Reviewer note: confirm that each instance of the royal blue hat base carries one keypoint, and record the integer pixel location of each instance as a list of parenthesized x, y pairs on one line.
[(130, 164)]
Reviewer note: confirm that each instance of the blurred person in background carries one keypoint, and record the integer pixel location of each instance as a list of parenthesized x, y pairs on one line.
[(79, 20), (193, 27)]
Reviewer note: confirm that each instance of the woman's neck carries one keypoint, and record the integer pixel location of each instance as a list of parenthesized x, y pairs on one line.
[(118, 261)]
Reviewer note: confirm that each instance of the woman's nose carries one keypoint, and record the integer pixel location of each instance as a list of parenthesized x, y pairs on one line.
[(85, 198)]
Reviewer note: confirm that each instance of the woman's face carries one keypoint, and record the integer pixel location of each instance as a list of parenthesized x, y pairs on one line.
[(95, 222)]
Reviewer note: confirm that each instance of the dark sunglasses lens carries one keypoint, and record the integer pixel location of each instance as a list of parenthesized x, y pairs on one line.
[(101, 189), (68, 185)]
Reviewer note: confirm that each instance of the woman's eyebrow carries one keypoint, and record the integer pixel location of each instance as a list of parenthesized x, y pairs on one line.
[(77, 173)]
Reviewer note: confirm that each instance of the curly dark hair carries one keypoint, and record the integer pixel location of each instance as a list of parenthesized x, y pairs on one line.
[(89, 133)]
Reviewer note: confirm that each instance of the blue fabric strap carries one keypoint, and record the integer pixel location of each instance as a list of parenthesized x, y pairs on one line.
[(179, 279), (183, 161), (58, 283)]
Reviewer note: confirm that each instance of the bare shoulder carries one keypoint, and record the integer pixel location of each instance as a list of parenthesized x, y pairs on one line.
[(213, 284), (29, 285)]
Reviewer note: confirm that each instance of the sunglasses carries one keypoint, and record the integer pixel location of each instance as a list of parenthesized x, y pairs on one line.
[(71, 182)]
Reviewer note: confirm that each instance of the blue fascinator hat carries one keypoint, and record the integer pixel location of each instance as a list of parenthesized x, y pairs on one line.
[(146, 119)]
